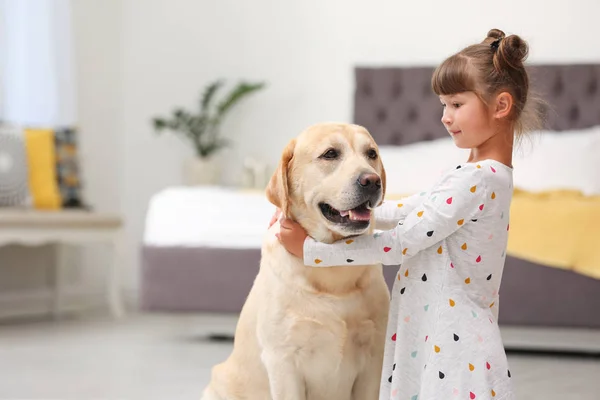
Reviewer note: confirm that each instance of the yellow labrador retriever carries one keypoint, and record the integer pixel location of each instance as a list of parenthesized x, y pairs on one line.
[(314, 333)]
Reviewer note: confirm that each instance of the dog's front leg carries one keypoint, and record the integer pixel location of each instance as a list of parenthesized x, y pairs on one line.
[(368, 381), (285, 380), (366, 386)]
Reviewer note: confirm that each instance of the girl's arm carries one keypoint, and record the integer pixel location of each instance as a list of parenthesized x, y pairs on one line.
[(458, 198), (391, 212)]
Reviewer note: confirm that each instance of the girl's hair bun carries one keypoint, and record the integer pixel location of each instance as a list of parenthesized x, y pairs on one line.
[(510, 51)]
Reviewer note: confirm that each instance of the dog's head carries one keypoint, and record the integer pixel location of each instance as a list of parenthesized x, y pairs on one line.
[(329, 179)]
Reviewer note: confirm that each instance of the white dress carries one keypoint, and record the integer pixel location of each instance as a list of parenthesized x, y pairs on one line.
[(443, 340)]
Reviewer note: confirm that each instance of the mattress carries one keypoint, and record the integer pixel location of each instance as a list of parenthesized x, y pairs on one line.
[(207, 216)]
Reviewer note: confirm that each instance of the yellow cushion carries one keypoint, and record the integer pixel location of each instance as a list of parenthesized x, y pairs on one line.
[(41, 157)]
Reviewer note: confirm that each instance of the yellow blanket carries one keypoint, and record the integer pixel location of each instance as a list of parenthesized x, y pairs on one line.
[(557, 228)]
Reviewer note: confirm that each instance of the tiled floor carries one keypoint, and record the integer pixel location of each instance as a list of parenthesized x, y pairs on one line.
[(158, 357)]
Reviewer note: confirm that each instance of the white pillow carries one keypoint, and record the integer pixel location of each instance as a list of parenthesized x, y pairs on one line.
[(416, 167), (559, 160), (14, 183)]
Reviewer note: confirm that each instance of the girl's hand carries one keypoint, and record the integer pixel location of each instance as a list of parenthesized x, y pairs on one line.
[(292, 236)]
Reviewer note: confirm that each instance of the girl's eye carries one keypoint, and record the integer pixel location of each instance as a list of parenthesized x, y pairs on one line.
[(330, 154), (456, 105)]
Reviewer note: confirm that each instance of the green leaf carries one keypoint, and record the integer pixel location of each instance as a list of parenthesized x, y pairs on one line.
[(198, 124), (209, 93), (159, 124), (242, 90), (181, 114)]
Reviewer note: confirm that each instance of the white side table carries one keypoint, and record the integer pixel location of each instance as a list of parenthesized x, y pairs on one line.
[(66, 227)]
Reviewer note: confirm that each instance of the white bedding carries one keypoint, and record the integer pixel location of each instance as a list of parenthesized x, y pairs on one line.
[(208, 217), (565, 160)]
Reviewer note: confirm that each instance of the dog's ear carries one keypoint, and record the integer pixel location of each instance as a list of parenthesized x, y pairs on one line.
[(277, 189), (383, 183)]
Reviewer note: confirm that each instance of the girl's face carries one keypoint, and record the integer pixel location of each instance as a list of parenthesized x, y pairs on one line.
[(467, 119)]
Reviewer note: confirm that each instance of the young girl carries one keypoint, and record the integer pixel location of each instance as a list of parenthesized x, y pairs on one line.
[(443, 341)]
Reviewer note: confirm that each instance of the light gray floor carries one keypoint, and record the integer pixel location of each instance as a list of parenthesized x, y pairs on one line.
[(159, 357)]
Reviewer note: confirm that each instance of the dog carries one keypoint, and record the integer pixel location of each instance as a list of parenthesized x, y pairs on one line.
[(309, 333)]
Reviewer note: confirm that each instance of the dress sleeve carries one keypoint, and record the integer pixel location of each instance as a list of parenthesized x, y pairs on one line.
[(391, 212), (458, 198)]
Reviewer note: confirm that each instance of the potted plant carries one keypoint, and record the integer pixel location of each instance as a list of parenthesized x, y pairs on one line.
[(201, 129)]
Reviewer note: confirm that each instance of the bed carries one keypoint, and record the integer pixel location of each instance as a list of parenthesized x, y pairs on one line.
[(188, 265), (195, 260)]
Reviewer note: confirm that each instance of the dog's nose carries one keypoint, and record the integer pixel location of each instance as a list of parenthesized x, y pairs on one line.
[(369, 180)]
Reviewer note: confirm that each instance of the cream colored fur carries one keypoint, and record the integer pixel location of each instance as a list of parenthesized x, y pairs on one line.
[(309, 333)]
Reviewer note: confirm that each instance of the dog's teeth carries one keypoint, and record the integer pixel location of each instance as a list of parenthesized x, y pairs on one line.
[(351, 214)]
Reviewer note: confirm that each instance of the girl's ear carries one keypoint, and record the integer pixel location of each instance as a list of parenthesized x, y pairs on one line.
[(504, 103)]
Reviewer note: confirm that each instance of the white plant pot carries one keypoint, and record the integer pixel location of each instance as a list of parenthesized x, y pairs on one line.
[(201, 171)]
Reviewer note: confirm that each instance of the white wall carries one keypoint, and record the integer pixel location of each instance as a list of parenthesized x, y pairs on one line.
[(97, 27), (165, 51), (98, 51)]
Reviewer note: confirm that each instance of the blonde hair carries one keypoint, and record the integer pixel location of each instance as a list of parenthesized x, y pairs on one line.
[(488, 68)]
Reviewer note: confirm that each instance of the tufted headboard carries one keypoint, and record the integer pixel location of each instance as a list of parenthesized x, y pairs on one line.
[(398, 106)]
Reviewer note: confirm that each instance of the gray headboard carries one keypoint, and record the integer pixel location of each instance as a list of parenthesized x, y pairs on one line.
[(398, 106)]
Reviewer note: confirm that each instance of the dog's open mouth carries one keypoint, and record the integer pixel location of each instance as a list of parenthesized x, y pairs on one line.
[(360, 215)]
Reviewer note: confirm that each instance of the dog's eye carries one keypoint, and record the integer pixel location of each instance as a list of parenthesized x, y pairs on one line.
[(372, 154), (330, 154)]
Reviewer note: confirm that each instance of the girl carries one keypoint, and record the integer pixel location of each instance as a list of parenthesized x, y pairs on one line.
[(443, 341)]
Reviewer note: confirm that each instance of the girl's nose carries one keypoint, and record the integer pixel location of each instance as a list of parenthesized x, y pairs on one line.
[(446, 120)]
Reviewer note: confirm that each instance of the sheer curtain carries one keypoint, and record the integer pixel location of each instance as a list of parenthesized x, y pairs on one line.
[(37, 81)]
